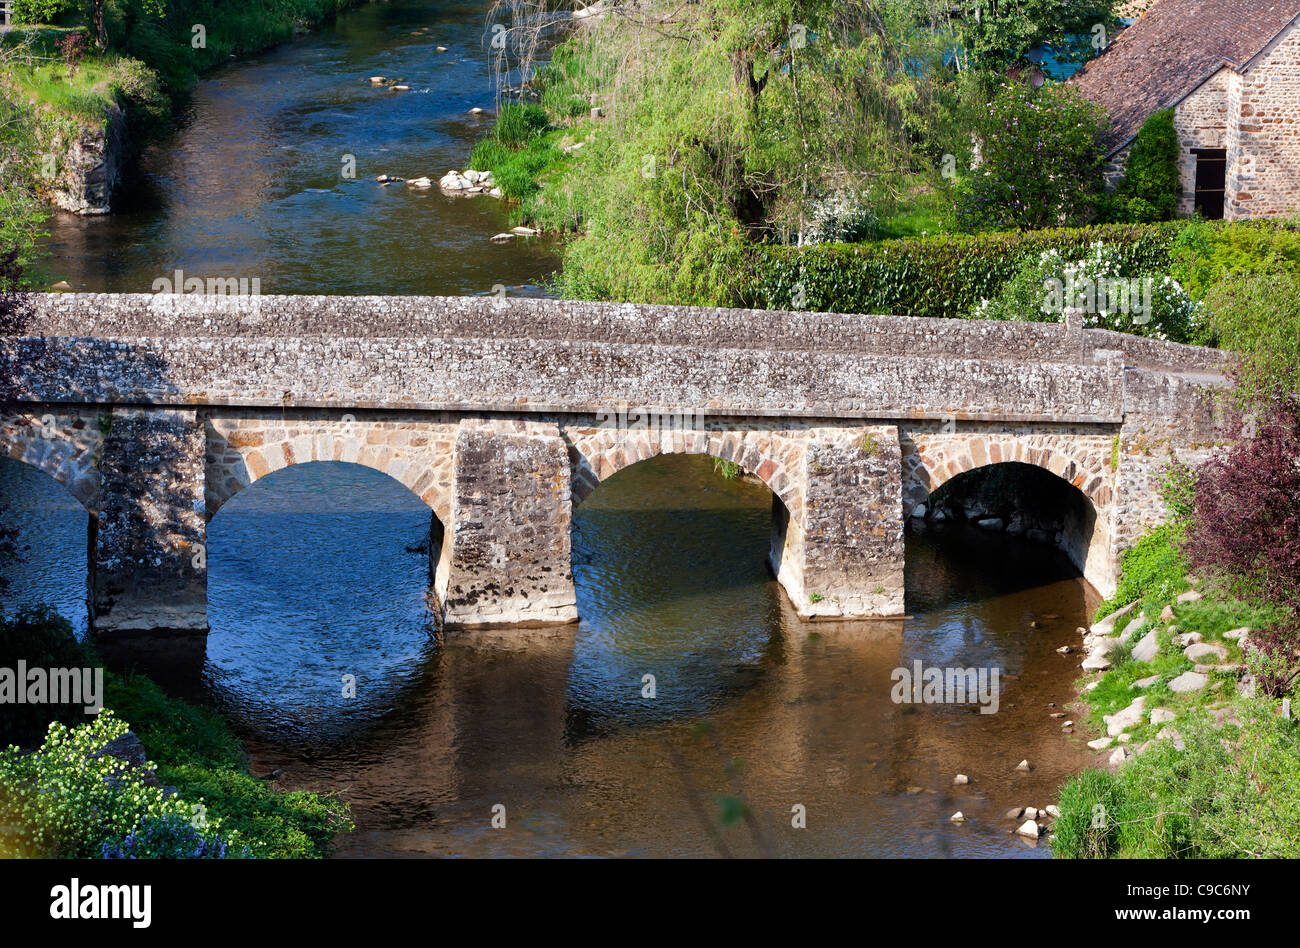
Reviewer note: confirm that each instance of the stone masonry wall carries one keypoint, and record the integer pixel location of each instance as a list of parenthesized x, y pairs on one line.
[(1264, 152), (148, 557), (1202, 120)]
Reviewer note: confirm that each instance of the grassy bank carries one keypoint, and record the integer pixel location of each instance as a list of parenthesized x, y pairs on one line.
[(204, 799)]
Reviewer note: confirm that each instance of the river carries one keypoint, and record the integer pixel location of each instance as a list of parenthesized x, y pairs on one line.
[(253, 183), (312, 576), (311, 580)]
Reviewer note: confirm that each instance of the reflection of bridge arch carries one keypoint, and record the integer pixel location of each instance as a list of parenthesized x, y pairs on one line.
[(242, 450), (65, 446)]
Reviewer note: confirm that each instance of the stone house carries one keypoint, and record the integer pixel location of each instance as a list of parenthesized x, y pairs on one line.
[(1230, 69)]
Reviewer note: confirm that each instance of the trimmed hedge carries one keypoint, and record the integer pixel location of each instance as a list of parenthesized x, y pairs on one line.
[(940, 276)]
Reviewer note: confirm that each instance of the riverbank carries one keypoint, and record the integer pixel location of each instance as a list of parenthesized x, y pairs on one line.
[(150, 777), (85, 105), (1191, 672)]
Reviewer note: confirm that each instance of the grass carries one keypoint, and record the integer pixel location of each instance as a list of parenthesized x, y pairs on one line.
[(86, 97)]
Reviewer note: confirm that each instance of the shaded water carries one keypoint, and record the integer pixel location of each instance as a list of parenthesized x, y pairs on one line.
[(313, 577), (253, 185)]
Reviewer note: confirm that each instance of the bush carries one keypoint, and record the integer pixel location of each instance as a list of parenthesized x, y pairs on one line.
[(1153, 569), (39, 11), (1092, 814), (1258, 318), (168, 837), (941, 276), (1152, 182), (42, 639), (65, 799), (1042, 154), (1205, 254), (1110, 296)]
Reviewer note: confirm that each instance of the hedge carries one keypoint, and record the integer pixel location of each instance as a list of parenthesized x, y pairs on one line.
[(939, 276)]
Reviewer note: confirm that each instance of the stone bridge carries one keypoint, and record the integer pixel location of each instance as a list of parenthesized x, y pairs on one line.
[(501, 415)]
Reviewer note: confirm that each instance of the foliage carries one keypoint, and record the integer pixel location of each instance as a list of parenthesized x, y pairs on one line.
[(65, 799), (198, 754), (995, 34), (1258, 318), (1152, 181), (168, 837), (1214, 799), (1041, 157), (941, 276), (1206, 253), (1154, 568), (39, 11), (1110, 296), (42, 639)]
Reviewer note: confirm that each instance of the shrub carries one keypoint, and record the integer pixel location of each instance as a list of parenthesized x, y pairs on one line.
[(1153, 569), (1041, 160), (1205, 253), (65, 799), (1098, 283), (1258, 318), (39, 11), (167, 837), (940, 276), (1152, 183), (42, 639)]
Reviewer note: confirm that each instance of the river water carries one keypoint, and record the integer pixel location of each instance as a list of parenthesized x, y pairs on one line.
[(253, 184), (312, 577)]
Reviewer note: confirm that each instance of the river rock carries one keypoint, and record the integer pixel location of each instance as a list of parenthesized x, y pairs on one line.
[(1188, 681), (419, 183), (377, 80), (1053, 811), (1134, 627), (1147, 648), (455, 181), (401, 88), (1121, 754), (495, 192), (1031, 813), (1023, 766), (957, 817), (1030, 829), (440, 49), (1203, 650), (1167, 614), (1161, 715), (1101, 743), (1014, 813), (1121, 721), (960, 780), (1146, 682), (1107, 625), (502, 238), (1171, 734), (525, 231), (1237, 635), (1187, 638), (1191, 596), (990, 523)]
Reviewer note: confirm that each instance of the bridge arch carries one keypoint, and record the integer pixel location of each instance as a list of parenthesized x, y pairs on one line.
[(65, 446), (242, 450), (1083, 461), (598, 453)]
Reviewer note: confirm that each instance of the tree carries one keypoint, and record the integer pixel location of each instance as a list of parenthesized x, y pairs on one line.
[(1152, 182), (1041, 157), (996, 34)]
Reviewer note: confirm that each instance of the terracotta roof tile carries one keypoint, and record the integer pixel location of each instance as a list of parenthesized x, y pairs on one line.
[(1173, 49)]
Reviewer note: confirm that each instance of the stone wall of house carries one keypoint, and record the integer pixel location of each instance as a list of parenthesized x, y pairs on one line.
[(1264, 149), (1202, 120)]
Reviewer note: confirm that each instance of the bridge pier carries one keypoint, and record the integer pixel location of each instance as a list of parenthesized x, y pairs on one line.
[(507, 559), (841, 555), (147, 553)]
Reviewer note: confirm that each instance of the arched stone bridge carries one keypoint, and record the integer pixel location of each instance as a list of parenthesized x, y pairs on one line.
[(154, 411)]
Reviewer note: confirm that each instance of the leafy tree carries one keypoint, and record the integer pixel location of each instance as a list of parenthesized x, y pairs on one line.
[(1041, 157), (995, 34), (1152, 183)]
